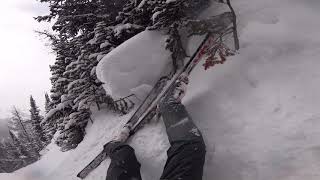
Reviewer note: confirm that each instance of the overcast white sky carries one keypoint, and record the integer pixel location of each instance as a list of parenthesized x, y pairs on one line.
[(24, 59)]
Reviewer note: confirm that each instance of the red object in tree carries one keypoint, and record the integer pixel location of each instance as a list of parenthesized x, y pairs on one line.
[(217, 55)]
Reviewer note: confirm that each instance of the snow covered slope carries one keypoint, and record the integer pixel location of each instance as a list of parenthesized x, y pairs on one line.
[(259, 112)]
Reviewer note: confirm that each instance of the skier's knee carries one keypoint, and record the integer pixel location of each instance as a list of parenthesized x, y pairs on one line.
[(175, 107), (194, 148), (167, 105), (115, 149), (201, 145), (198, 146), (113, 146)]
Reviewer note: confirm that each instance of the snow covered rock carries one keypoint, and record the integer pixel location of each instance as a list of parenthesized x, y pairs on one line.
[(140, 60)]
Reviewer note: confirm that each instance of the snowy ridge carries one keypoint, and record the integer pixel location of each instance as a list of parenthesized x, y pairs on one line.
[(259, 112)]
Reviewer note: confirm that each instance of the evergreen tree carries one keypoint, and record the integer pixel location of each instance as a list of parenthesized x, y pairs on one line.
[(9, 156), (48, 103), (20, 149), (75, 85), (36, 118), (13, 154), (3, 152), (9, 150), (17, 127), (60, 105), (49, 126)]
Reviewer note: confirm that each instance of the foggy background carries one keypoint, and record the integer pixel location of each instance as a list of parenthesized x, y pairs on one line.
[(24, 62)]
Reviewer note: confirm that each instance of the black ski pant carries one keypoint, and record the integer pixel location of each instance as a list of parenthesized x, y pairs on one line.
[(186, 155)]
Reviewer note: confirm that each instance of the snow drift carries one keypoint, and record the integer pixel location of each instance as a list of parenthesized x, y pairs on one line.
[(136, 63)]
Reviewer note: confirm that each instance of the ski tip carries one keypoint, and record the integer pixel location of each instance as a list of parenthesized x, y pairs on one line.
[(81, 175)]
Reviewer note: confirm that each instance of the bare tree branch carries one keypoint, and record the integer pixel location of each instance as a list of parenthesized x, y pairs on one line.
[(235, 31)]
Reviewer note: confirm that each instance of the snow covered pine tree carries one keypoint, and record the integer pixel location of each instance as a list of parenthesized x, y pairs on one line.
[(35, 118), (86, 31), (17, 126)]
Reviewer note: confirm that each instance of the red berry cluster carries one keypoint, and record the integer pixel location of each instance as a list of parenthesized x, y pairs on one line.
[(217, 55)]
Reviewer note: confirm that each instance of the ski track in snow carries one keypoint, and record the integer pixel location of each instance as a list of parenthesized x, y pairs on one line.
[(259, 112)]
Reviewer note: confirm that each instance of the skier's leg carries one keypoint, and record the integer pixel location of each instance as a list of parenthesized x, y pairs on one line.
[(179, 124), (124, 164), (186, 155)]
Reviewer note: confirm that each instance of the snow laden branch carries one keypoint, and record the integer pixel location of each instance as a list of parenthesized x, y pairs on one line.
[(235, 29), (234, 22), (215, 24)]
